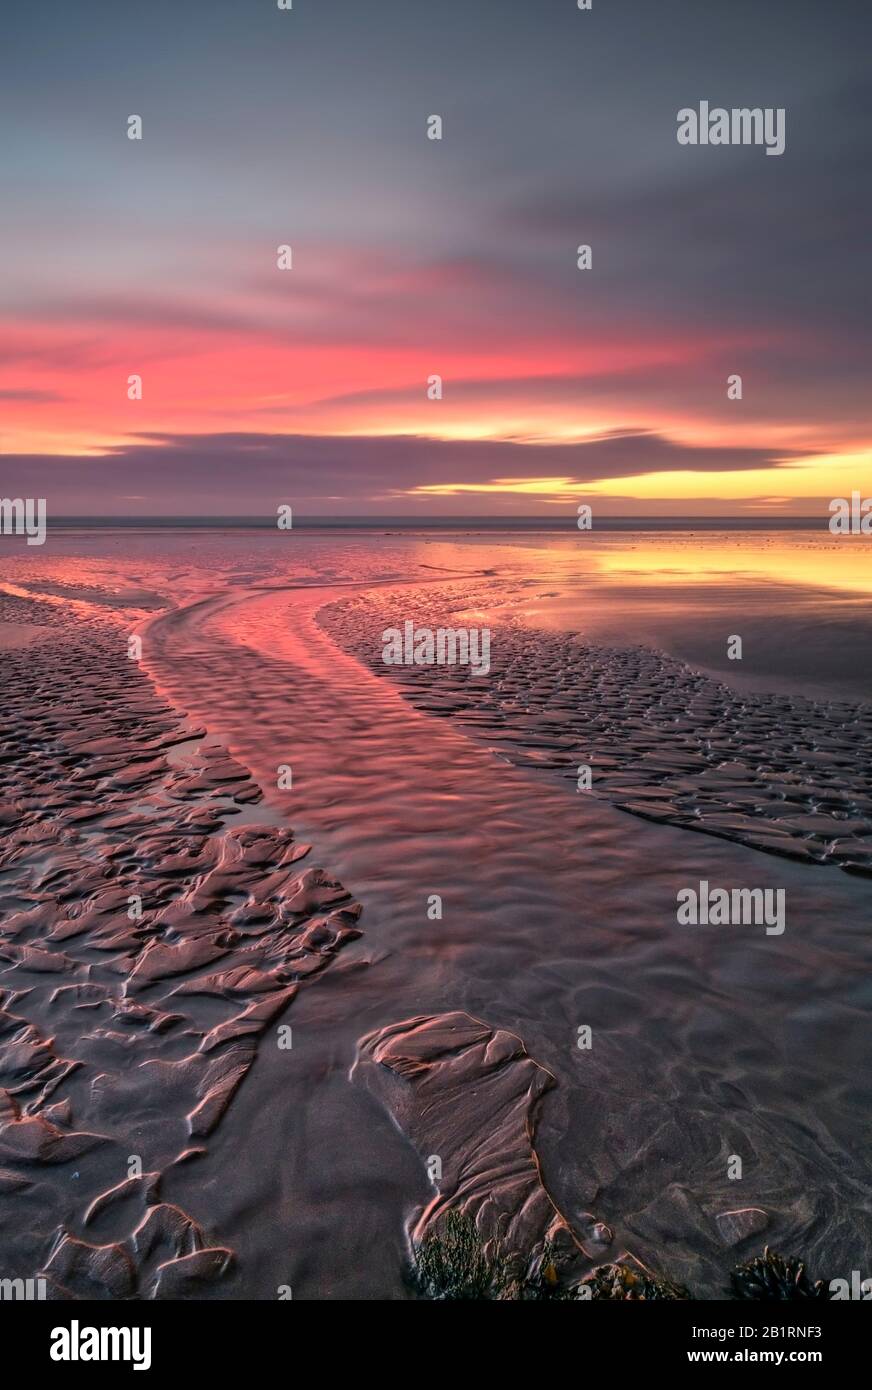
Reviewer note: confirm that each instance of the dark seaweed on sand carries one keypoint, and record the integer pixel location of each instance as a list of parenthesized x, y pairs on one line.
[(622, 1282), (452, 1264), (771, 1276)]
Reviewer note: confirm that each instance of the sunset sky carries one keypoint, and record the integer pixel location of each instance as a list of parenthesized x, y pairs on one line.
[(414, 257)]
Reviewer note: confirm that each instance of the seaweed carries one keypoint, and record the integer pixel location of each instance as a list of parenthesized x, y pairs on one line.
[(621, 1282), (772, 1277), (452, 1263)]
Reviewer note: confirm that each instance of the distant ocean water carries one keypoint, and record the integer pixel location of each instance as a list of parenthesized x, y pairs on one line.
[(450, 523)]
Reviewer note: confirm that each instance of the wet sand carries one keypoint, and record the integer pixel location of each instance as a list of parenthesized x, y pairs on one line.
[(266, 1166)]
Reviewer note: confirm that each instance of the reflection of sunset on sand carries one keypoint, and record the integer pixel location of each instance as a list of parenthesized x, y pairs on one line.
[(808, 562), (445, 783)]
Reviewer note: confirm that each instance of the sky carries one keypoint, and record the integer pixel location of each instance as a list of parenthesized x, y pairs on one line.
[(414, 258)]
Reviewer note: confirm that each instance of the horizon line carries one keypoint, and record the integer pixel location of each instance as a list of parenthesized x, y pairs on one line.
[(532, 521)]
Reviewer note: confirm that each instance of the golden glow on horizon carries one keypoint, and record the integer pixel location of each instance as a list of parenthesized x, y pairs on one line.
[(552, 489), (791, 482), (833, 475)]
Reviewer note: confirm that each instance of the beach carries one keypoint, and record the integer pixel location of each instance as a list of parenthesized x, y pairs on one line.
[(281, 924)]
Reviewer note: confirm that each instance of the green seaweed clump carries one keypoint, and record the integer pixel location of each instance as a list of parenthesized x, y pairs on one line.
[(771, 1276), (451, 1263)]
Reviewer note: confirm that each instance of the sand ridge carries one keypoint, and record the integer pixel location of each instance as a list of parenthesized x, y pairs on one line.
[(783, 774), (148, 944)]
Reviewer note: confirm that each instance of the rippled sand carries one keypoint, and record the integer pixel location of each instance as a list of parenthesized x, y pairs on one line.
[(268, 907)]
